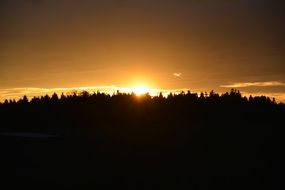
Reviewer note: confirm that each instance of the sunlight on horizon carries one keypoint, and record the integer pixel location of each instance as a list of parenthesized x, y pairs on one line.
[(139, 90), (30, 92)]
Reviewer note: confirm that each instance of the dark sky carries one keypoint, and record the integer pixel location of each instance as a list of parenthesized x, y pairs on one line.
[(67, 43)]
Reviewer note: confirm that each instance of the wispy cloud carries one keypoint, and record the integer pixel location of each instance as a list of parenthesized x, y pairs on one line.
[(177, 74), (253, 84)]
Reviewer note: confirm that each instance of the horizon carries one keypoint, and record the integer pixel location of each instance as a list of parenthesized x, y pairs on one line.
[(199, 45), (141, 94), (19, 93)]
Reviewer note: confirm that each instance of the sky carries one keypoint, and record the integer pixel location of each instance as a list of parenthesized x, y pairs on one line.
[(162, 44)]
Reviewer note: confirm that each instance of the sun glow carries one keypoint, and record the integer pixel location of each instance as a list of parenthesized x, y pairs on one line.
[(140, 90)]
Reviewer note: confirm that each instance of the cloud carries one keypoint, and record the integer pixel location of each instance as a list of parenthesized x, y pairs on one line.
[(177, 74), (253, 84)]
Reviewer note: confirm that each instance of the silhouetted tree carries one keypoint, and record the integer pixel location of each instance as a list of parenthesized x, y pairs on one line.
[(24, 100), (54, 97)]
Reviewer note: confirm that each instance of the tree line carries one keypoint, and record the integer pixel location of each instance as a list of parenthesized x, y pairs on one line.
[(232, 97)]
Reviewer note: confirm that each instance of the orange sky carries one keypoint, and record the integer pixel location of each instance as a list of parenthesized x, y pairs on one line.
[(200, 45)]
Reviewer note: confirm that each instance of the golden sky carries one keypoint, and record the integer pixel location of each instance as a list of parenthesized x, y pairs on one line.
[(162, 44)]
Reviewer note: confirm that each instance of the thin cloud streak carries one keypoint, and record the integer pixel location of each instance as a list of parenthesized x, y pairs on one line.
[(177, 74), (254, 84)]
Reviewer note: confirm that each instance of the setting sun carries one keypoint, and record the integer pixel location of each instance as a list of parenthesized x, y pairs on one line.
[(140, 90)]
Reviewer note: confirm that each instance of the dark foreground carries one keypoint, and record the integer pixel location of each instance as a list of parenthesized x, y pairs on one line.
[(181, 142)]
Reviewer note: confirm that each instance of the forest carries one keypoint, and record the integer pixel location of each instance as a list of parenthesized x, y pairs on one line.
[(178, 141)]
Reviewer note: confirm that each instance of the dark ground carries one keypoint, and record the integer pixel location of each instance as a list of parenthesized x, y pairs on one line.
[(181, 142)]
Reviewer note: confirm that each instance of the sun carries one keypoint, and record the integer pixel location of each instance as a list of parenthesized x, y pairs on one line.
[(140, 90)]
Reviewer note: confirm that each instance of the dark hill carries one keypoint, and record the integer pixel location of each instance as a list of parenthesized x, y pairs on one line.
[(123, 141)]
